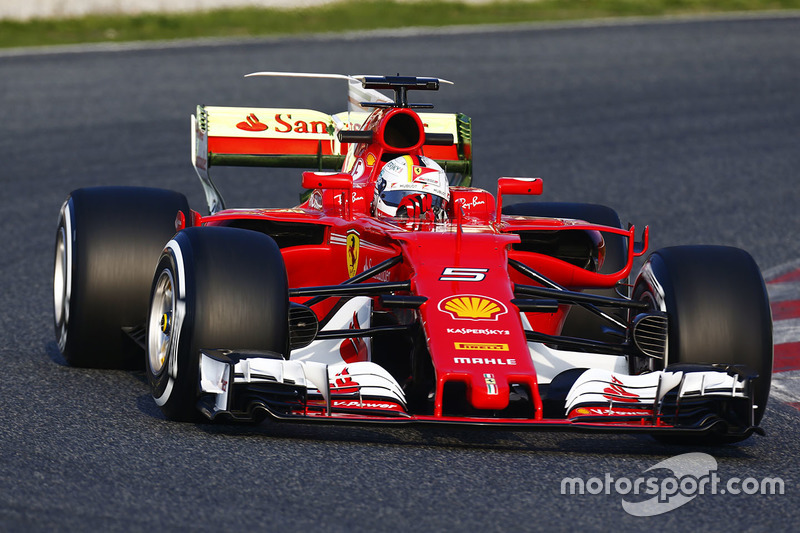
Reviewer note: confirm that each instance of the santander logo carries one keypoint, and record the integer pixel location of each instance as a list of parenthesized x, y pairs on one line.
[(252, 124)]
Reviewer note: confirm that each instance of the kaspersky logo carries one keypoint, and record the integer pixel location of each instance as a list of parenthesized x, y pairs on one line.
[(472, 307)]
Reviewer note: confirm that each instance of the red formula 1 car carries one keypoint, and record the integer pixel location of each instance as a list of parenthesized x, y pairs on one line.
[(397, 293)]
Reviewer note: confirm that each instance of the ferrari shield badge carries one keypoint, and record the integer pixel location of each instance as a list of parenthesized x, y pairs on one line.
[(353, 244)]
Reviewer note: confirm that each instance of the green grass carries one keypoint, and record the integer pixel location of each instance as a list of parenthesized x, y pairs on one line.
[(345, 16)]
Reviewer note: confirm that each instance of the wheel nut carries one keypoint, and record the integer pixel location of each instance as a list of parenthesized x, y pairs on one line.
[(164, 324)]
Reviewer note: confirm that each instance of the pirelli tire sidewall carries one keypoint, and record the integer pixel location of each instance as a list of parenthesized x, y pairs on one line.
[(175, 383), (718, 309)]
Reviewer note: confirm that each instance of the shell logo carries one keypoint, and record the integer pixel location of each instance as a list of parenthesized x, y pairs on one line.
[(471, 307)]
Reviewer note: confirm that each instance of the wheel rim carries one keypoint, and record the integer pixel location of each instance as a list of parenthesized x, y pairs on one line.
[(160, 324), (61, 286), (60, 278)]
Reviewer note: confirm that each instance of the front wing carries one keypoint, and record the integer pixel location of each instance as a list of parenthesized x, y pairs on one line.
[(696, 400)]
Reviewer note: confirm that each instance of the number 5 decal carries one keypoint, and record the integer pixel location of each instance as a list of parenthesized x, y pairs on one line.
[(463, 274)]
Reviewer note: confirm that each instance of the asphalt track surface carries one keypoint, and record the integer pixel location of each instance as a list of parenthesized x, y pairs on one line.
[(691, 127)]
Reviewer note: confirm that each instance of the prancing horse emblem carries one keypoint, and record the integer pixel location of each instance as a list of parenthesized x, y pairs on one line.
[(353, 242)]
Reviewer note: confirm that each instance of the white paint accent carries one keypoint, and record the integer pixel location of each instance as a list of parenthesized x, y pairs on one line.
[(372, 379), (592, 386), (215, 377), (317, 375), (371, 382), (327, 350), (550, 362)]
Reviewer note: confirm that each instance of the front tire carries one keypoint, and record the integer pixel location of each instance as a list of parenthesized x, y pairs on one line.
[(718, 309), (214, 288)]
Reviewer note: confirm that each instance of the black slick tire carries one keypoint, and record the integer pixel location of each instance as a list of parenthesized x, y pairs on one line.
[(718, 309), (214, 288), (108, 242)]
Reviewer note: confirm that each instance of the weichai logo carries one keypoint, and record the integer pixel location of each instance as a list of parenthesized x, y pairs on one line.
[(470, 307)]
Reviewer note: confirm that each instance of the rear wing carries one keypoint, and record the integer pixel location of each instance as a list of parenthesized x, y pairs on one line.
[(302, 138)]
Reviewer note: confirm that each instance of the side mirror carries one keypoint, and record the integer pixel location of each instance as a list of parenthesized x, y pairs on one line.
[(530, 186), (640, 247), (327, 180), (332, 180)]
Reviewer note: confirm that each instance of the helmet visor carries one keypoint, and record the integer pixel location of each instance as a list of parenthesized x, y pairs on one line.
[(393, 198), (389, 202)]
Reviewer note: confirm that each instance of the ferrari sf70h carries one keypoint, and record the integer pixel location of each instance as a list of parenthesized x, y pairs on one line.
[(397, 293)]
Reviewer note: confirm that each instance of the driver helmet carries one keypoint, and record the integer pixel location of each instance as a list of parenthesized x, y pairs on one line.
[(407, 176)]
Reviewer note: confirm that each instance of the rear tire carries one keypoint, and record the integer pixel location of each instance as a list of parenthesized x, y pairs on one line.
[(214, 288), (107, 244), (580, 322), (718, 309)]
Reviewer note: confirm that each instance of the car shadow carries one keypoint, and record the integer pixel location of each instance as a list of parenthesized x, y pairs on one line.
[(577, 443)]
